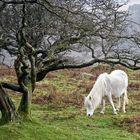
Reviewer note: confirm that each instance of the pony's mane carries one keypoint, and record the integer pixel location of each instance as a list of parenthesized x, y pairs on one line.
[(100, 83)]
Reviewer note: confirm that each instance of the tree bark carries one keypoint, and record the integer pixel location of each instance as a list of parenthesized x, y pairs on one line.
[(7, 107), (25, 105)]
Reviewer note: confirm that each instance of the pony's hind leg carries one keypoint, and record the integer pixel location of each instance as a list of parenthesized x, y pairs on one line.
[(125, 100), (112, 104), (103, 106), (118, 104)]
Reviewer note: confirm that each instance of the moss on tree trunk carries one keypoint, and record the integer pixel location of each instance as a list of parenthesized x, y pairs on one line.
[(24, 109)]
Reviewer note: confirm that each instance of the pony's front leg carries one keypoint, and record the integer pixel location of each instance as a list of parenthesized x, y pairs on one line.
[(103, 106), (118, 105), (112, 104)]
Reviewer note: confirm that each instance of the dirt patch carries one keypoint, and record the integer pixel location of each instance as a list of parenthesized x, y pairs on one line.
[(131, 124)]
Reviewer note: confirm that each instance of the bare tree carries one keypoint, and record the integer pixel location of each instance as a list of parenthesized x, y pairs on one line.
[(44, 36)]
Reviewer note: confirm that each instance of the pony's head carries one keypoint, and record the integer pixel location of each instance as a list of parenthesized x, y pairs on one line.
[(89, 105), (95, 96)]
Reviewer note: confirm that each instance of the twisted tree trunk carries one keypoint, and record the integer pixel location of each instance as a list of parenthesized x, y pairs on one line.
[(25, 69), (7, 107)]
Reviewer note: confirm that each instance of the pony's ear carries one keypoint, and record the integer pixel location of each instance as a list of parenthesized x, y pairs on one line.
[(89, 97)]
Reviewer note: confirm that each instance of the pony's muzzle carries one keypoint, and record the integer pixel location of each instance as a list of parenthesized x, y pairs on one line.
[(89, 115)]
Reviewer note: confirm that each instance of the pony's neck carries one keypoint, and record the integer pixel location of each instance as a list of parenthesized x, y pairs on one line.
[(96, 99), (97, 93)]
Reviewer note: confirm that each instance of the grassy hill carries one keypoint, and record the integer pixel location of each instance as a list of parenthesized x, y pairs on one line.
[(58, 112)]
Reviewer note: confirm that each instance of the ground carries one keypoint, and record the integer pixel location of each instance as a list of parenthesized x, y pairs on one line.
[(58, 112)]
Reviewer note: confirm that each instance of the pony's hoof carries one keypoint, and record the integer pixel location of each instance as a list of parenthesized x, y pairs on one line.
[(117, 109), (102, 112), (115, 113)]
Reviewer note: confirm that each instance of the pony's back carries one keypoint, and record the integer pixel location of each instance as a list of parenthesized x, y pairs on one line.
[(120, 73)]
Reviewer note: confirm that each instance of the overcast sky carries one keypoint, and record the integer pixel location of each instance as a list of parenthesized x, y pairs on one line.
[(131, 2)]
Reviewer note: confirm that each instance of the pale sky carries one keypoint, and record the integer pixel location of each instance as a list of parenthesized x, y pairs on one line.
[(131, 2)]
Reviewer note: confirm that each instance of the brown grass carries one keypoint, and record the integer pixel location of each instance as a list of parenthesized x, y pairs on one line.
[(132, 124), (51, 75), (6, 71), (58, 98), (134, 86), (96, 71), (87, 86)]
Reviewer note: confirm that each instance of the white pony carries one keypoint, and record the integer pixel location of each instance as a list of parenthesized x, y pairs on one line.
[(115, 83)]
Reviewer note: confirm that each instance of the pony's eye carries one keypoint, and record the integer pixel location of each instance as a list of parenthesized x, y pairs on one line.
[(89, 97)]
